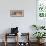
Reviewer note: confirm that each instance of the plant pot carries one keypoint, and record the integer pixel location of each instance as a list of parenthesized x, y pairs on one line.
[(38, 40)]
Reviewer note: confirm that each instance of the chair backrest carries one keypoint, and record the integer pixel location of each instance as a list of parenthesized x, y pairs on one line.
[(14, 30)]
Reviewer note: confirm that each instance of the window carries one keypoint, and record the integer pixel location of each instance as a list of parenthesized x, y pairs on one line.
[(41, 8)]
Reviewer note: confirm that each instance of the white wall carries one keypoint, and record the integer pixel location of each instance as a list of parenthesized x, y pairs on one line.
[(24, 23)]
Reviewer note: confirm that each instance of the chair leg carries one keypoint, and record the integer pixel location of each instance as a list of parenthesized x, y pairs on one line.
[(5, 40), (5, 43)]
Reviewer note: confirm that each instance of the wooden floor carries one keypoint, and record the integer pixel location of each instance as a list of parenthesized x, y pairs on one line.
[(13, 44)]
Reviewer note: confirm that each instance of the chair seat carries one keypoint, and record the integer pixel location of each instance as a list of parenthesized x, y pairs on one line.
[(9, 34)]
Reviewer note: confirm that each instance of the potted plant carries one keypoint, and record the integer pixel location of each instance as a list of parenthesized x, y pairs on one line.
[(38, 27), (35, 26), (42, 27), (39, 35)]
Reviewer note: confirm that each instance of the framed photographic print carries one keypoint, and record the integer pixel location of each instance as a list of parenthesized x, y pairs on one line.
[(17, 13)]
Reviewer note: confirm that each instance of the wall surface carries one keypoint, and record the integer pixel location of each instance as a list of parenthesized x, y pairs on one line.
[(24, 23)]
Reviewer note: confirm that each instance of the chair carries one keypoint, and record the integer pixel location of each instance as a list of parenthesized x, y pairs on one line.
[(14, 32), (25, 36)]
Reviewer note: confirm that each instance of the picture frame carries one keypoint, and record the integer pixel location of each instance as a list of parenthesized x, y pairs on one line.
[(17, 13)]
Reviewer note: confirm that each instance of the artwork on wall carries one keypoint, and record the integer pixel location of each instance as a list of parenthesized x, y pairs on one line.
[(17, 13), (41, 12), (41, 8)]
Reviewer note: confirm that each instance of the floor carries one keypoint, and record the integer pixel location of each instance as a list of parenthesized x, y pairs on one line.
[(13, 44)]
